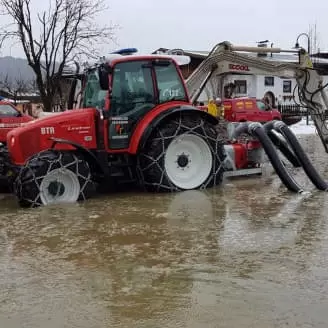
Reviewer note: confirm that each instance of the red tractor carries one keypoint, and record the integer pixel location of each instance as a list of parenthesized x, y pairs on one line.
[(135, 124)]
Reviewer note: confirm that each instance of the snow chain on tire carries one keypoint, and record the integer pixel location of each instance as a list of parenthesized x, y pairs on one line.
[(150, 166), (28, 181)]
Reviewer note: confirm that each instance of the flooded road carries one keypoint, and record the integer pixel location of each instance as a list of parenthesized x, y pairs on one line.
[(245, 254)]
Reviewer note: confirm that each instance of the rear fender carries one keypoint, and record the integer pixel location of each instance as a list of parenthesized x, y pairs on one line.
[(139, 140)]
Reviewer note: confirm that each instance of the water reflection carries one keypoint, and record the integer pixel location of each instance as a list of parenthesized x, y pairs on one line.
[(129, 260), (126, 244)]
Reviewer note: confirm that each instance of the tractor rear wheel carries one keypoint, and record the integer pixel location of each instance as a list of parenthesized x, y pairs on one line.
[(53, 177), (183, 153)]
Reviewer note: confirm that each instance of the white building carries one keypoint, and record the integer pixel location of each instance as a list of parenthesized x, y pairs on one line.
[(277, 90)]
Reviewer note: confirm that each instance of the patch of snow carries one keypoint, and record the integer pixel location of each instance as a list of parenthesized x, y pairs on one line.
[(301, 127)]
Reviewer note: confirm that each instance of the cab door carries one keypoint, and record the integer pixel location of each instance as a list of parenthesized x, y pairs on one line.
[(132, 95)]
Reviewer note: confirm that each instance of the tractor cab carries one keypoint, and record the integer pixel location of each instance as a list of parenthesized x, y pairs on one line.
[(126, 88)]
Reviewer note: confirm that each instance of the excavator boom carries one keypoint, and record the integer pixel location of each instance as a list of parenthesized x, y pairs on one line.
[(226, 58)]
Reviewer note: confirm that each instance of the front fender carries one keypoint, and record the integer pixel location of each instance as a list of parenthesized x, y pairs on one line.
[(152, 120), (95, 164)]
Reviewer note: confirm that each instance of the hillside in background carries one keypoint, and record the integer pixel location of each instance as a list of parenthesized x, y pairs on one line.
[(16, 68)]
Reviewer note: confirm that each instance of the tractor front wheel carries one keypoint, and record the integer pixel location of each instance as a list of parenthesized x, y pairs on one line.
[(53, 177), (182, 154)]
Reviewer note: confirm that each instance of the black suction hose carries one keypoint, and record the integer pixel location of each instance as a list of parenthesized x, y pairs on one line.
[(241, 128), (309, 169), (256, 129), (281, 143)]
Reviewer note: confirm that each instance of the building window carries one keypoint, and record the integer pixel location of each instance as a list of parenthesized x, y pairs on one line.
[(241, 87), (287, 86), (269, 81)]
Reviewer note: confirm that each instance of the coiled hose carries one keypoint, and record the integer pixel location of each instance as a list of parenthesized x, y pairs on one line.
[(309, 169), (256, 129), (281, 143)]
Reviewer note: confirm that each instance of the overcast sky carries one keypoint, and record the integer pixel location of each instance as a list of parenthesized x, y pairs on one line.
[(199, 25), (192, 24)]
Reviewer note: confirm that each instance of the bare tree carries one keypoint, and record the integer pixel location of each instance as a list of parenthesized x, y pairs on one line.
[(54, 37), (15, 87)]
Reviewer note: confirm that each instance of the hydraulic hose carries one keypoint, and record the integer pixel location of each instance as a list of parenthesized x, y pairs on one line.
[(256, 129), (281, 143), (309, 169)]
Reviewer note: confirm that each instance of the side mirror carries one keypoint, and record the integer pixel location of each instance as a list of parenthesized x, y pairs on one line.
[(103, 72)]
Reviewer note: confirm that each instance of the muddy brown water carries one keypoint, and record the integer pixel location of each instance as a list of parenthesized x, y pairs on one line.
[(245, 254)]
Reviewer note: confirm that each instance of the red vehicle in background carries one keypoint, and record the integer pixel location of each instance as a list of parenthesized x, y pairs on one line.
[(10, 118), (249, 109)]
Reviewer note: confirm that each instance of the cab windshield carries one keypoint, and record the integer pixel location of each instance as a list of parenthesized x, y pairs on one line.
[(94, 96)]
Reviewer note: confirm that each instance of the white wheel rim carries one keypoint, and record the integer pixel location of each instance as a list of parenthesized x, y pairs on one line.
[(200, 161), (59, 186)]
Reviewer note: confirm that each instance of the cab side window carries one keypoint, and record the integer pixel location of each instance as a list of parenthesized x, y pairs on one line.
[(169, 84)]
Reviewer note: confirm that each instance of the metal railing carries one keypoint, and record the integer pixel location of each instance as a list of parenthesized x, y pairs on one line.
[(292, 110)]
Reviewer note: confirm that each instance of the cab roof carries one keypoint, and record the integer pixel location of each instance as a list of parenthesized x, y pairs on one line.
[(177, 59)]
